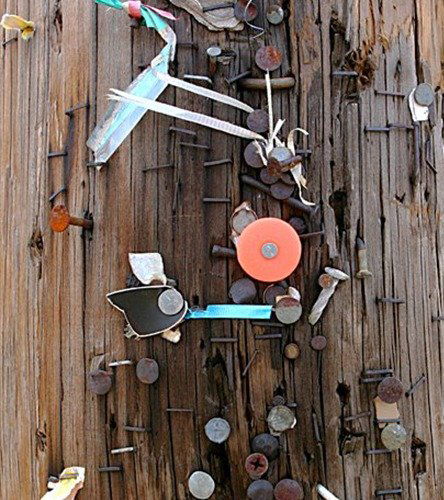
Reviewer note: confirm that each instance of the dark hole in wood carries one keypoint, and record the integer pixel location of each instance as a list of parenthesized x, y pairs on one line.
[(343, 391), (338, 202), (418, 456)]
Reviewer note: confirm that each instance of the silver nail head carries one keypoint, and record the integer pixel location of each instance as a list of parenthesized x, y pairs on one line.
[(275, 14), (201, 485), (337, 274), (280, 419), (214, 51), (393, 436), (217, 430), (424, 94), (269, 250), (170, 302)]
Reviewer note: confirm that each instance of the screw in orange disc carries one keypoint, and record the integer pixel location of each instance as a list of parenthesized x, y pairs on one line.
[(268, 249)]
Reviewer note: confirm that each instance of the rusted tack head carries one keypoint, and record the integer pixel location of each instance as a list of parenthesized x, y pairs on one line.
[(256, 465), (325, 280), (60, 218), (288, 489), (268, 58), (99, 381), (390, 389), (147, 370), (260, 490), (292, 351)]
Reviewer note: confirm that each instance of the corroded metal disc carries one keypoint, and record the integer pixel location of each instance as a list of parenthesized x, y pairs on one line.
[(390, 389), (268, 58), (268, 178), (99, 382), (288, 489), (170, 302), (260, 490), (245, 14), (241, 219), (288, 310), (243, 291), (424, 94), (271, 292), (256, 465), (266, 444), (275, 14), (280, 419), (281, 191), (318, 343), (292, 351), (217, 430), (393, 436), (257, 121), (201, 485), (147, 370), (298, 225), (252, 157)]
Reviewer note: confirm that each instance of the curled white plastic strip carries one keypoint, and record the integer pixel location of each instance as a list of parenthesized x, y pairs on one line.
[(184, 114), (202, 91)]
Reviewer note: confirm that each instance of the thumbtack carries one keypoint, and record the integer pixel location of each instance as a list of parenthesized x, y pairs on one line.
[(268, 336), (363, 271), (217, 162), (70, 111), (130, 428), (183, 131), (180, 410), (415, 386), (390, 300), (216, 200), (380, 451), (112, 468), (250, 362), (121, 362), (6, 42), (357, 416), (394, 491), (345, 73), (55, 154), (199, 78), (238, 77), (60, 220), (223, 339), (54, 195), (127, 449), (192, 145)]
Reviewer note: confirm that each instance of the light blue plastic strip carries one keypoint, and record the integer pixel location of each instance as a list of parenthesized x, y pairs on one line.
[(230, 311)]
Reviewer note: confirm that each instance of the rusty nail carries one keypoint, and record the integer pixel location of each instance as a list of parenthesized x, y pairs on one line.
[(393, 491), (122, 362), (379, 451), (223, 339), (268, 178), (288, 310), (389, 93), (191, 45), (55, 154), (381, 371), (183, 131), (371, 128), (363, 271), (60, 191), (298, 225), (267, 324), (60, 220), (217, 162), (96, 163), (10, 40), (268, 58), (256, 465), (415, 386), (292, 351), (357, 416), (390, 300), (371, 380), (180, 410), (70, 111), (400, 125), (130, 428), (213, 53), (268, 336), (344, 73), (112, 468), (306, 236), (147, 370), (199, 78), (250, 362), (192, 145), (387, 420), (216, 200), (219, 251), (157, 167), (238, 77), (218, 6), (126, 449), (288, 488), (260, 83)]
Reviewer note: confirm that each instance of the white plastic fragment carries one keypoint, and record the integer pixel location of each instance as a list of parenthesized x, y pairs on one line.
[(419, 113), (172, 335), (324, 493), (70, 482), (147, 267)]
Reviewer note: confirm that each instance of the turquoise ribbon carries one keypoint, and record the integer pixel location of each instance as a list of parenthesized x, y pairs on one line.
[(230, 311)]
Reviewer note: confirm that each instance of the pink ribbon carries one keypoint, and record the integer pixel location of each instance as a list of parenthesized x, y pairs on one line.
[(135, 10)]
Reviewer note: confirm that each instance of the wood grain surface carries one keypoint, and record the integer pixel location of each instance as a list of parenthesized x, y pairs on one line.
[(55, 317)]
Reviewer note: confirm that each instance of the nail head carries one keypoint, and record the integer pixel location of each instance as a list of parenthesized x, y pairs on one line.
[(393, 436), (217, 430), (424, 94), (258, 121), (280, 419), (318, 343), (292, 351), (252, 157), (170, 302), (260, 490), (201, 485), (275, 14), (288, 310), (281, 191), (266, 444), (390, 389), (268, 58), (243, 291), (256, 465), (99, 382), (271, 292), (147, 370), (288, 489)]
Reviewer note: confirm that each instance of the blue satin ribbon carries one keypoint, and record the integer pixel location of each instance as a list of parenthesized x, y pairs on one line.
[(230, 311)]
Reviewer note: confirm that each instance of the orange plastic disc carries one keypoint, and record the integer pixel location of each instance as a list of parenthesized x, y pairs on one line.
[(268, 249)]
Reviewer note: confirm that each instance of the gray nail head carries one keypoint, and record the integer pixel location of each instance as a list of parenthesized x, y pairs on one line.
[(424, 94), (217, 430), (201, 485), (170, 302), (269, 250)]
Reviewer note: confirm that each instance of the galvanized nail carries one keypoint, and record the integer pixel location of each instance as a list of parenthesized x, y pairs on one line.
[(126, 449)]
